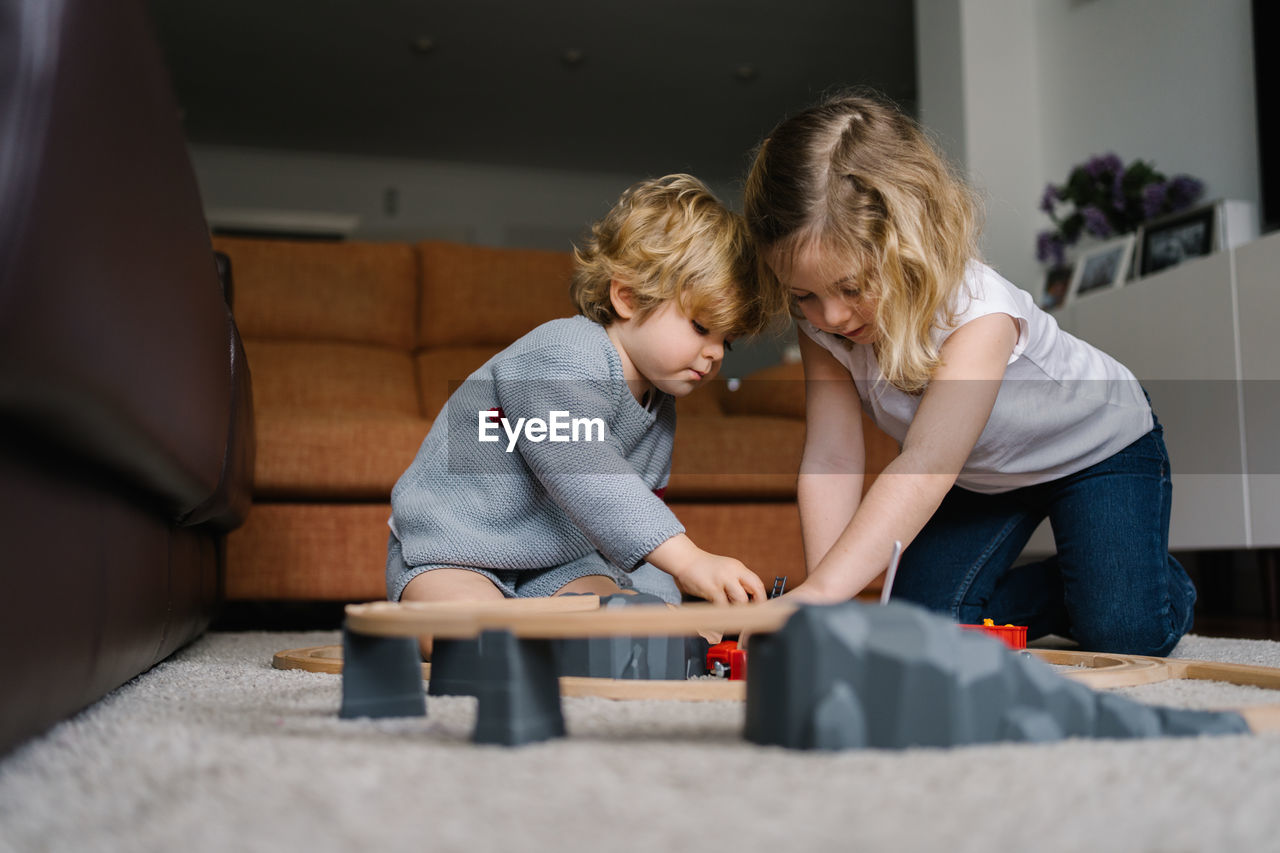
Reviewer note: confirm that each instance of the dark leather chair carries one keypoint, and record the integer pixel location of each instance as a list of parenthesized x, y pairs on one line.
[(126, 424)]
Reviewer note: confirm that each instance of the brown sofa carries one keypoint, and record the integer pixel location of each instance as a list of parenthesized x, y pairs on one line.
[(126, 431), (354, 347)]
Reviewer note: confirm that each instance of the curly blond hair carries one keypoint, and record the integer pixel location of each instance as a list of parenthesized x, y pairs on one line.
[(671, 238), (858, 181)]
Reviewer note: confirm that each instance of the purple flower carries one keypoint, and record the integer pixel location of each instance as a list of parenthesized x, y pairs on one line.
[(1184, 190), (1049, 196), (1049, 248), (1100, 165), (1153, 199), (1095, 221)]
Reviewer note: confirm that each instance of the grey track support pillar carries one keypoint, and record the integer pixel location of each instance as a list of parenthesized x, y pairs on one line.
[(897, 676), (381, 677), (518, 689), (455, 668)]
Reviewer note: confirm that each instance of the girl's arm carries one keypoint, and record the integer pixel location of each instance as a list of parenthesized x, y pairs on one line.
[(952, 414), (832, 468)]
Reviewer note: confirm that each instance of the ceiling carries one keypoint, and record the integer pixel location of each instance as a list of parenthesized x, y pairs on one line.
[(593, 85)]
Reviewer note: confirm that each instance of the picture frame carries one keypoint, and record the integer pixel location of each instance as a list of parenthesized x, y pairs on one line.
[(1102, 267), (1203, 230), (1056, 283)]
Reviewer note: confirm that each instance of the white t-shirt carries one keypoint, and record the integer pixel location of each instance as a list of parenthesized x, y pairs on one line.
[(1063, 405)]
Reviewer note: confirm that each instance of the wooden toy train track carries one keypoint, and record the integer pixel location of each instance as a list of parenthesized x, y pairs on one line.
[(581, 616)]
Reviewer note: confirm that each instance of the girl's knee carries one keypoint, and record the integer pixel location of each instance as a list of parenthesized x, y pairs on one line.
[(1156, 638), (1146, 624)]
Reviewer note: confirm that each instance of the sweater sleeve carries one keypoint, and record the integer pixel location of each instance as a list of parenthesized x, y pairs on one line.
[(586, 474)]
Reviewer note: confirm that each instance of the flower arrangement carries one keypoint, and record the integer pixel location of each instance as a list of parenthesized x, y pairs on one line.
[(1103, 197)]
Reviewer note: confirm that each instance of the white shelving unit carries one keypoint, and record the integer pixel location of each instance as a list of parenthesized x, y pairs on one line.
[(1204, 339)]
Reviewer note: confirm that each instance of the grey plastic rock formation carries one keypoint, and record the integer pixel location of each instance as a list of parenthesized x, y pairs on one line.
[(458, 667), (631, 657), (854, 675)]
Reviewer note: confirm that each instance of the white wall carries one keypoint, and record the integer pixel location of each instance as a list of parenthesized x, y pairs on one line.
[(993, 72), (940, 75), (1043, 84), (1168, 81), (487, 205)]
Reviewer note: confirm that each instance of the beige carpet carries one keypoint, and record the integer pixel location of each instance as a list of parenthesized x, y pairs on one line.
[(214, 750)]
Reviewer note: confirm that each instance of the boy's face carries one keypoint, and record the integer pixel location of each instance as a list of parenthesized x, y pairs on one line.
[(667, 350)]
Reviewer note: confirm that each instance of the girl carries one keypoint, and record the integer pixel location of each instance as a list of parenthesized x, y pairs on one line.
[(1002, 417)]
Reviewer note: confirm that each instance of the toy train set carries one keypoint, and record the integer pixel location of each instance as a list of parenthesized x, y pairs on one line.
[(826, 677)]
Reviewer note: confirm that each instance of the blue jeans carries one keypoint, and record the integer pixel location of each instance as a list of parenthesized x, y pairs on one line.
[(1112, 586)]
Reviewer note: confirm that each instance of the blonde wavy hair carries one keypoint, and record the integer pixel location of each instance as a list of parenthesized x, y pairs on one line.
[(858, 182), (670, 238)]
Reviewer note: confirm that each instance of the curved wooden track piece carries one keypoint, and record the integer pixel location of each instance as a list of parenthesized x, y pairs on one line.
[(1102, 671), (692, 690), (328, 659)]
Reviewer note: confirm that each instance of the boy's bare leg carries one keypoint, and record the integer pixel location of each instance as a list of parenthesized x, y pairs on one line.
[(448, 585), (597, 584)]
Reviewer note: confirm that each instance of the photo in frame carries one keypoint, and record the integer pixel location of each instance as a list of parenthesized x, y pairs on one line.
[(1203, 230), (1056, 282), (1102, 267)]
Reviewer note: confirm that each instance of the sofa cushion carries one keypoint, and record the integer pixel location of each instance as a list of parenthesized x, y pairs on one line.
[(332, 378), (703, 401), (349, 291), (765, 535), (441, 370), (744, 457), (479, 295), (776, 390), (779, 391), (310, 456), (310, 552)]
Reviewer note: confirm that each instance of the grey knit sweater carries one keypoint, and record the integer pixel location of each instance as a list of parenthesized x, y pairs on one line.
[(467, 502)]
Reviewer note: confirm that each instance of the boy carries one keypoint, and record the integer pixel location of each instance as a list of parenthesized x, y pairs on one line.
[(544, 472)]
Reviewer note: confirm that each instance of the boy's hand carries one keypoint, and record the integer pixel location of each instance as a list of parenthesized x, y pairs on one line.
[(722, 580), (716, 578)]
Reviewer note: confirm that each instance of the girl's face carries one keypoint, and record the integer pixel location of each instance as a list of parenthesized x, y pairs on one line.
[(829, 301)]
